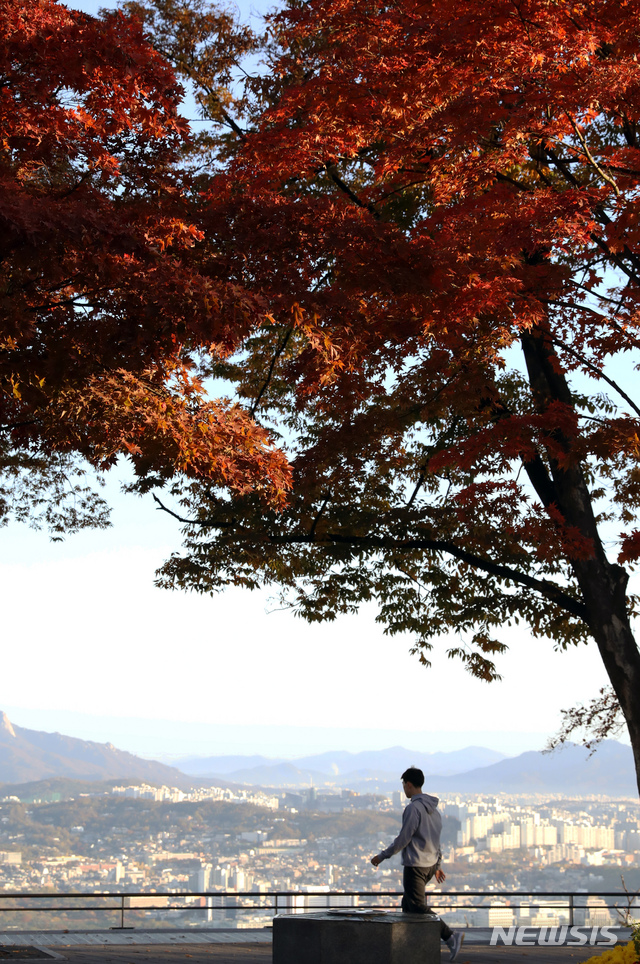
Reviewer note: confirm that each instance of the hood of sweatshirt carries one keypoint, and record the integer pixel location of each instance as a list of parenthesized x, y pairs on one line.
[(428, 802)]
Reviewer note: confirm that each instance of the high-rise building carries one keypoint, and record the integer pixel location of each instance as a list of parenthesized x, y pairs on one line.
[(203, 878)]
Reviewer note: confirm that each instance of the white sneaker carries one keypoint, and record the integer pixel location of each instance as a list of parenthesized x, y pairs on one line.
[(455, 943)]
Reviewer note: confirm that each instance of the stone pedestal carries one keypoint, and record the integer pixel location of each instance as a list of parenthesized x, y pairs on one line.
[(356, 937)]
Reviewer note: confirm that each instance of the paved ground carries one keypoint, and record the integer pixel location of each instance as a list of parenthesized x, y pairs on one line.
[(169, 954), (168, 937), (261, 954), (231, 947), (128, 938)]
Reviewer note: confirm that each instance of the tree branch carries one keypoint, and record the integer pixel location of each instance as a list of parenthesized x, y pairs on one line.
[(590, 157), (596, 294), (325, 503), (547, 589), (337, 180), (504, 178), (211, 92), (272, 366), (600, 718), (419, 484), (207, 523), (602, 244), (9, 426), (562, 167), (598, 372)]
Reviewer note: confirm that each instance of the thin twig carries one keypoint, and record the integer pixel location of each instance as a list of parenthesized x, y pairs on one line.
[(595, 294), (597, 371), (602, 244), (209, 523), (272, 366), (590, 157)]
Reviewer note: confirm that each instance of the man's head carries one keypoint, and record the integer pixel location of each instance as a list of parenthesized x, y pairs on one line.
[(412, 780)]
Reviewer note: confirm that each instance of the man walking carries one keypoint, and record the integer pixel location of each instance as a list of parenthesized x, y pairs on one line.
[(419, 841)]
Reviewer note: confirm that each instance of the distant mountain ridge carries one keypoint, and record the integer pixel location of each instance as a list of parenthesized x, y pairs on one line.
[(610, 771), (339, 767), (30, 755), (27, 756)]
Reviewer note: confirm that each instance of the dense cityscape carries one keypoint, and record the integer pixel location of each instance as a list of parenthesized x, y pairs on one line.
[(207, 847)]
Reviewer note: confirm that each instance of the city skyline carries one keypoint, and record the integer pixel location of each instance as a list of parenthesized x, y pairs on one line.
[(154, 840)]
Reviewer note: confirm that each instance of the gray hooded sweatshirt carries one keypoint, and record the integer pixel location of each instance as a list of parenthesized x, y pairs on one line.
[(419, 839)]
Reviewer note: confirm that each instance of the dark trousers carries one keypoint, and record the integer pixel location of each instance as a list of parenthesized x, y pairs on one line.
[(414, 881)]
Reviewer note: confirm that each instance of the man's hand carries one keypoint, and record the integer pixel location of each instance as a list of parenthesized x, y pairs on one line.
[(376, 860), (440, 876)]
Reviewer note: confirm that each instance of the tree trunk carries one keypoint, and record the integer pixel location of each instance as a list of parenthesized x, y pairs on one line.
[(602, 584), (605, 599)]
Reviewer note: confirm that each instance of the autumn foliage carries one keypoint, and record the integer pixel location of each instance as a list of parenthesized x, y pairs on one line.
[(109, 295), (409, 244), (438, 203)]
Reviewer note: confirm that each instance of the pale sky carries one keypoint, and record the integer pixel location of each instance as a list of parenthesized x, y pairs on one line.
[(94, 650), (87, 633)]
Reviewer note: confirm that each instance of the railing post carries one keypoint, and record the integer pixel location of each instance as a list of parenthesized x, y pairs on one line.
[(275, 909), (570, 910), (121, 926)]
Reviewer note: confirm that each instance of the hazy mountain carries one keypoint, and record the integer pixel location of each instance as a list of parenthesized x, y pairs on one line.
[(221, 765), (570, 770), (381, 764), (610, 770), (28, 755), (396, 759), (278, 775), (288, 775)]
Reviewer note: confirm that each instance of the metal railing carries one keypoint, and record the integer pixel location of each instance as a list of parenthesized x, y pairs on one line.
[(127, 907)]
